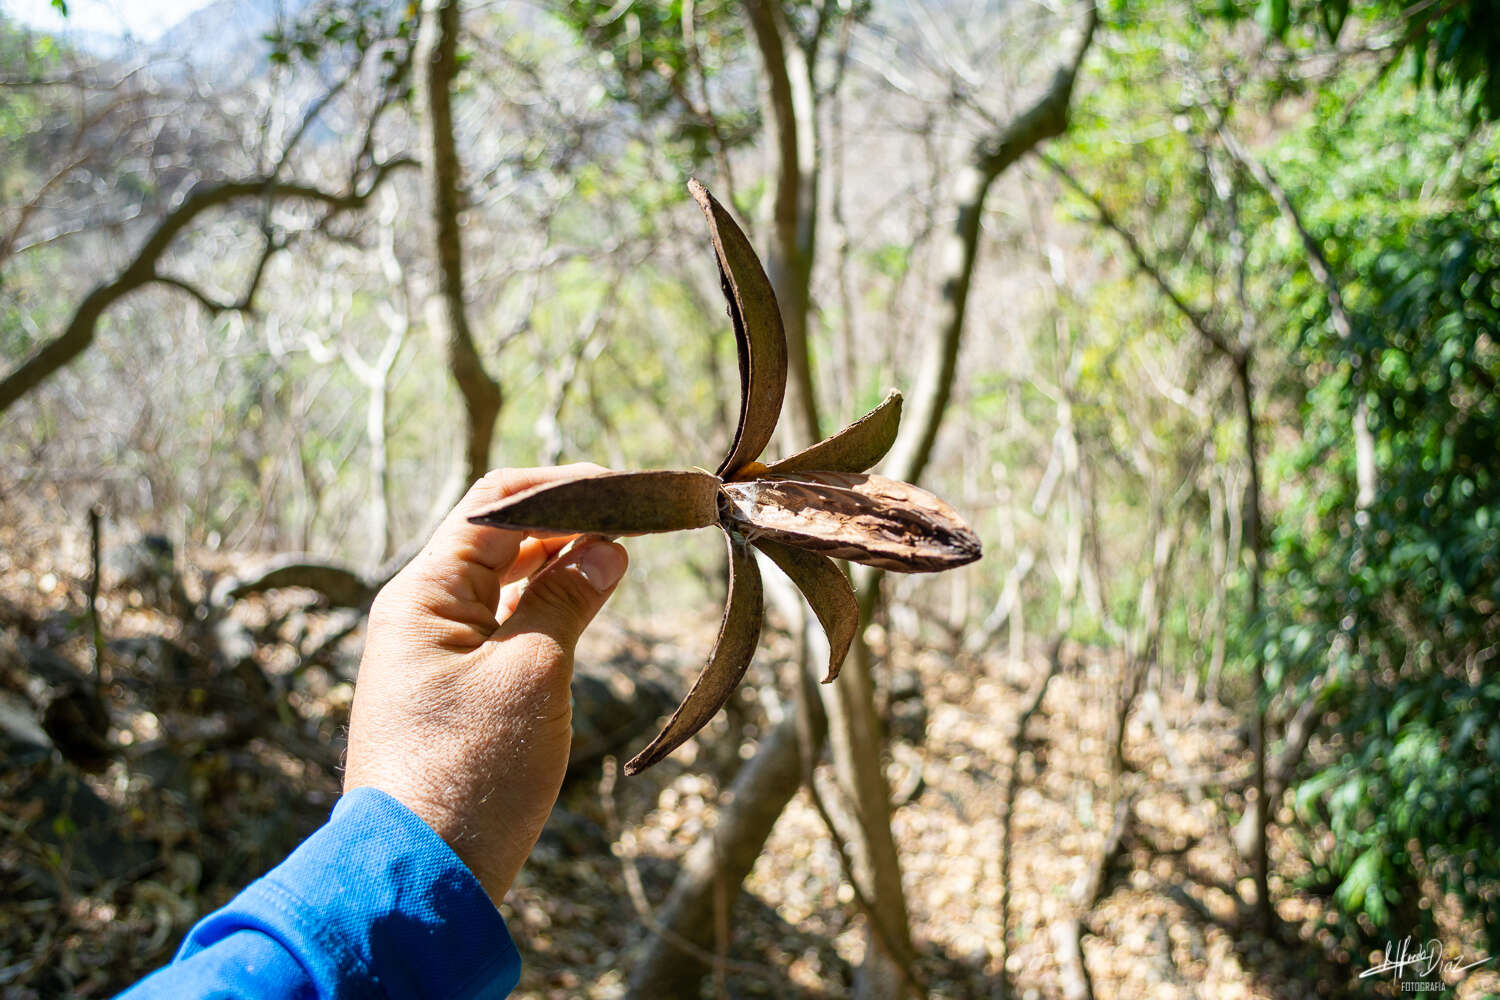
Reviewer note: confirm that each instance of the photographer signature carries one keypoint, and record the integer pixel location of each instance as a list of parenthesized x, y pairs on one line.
[(1422, 959)]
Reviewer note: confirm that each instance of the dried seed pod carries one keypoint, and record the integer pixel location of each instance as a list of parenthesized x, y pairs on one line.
[(799, 511), (860, 517)]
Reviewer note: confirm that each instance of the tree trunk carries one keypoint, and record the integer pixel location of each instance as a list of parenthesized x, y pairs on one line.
[(853, 720), (1254, 545), (992, 156), (858, 740), (1047, 118), (398, 326), (1218, 607), (437, 62), (787, 101), (1299, 733), (380, 508), (773, 774)]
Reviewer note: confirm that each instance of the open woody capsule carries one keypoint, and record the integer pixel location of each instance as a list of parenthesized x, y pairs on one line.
[(802, 512)]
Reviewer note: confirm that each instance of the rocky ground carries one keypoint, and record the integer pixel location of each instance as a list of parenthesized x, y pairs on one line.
[(107, 861)]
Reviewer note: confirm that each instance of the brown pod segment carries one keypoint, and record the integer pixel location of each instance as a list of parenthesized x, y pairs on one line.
[(827, 591), (856, 516), (612, 503), (855, 448), (739, 634), (759, 339)]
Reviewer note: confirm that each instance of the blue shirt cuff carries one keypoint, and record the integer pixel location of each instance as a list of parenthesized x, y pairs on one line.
[(374, 904)]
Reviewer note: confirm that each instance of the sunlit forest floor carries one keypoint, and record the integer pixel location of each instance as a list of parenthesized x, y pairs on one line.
[(102, 873)]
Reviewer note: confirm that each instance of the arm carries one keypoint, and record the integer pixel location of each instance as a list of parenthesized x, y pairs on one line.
[(458, 741), (374, 904)]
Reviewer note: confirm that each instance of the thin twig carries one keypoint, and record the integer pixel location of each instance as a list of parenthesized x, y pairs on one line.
[(903, 961), (96, 515), (1144, 263)]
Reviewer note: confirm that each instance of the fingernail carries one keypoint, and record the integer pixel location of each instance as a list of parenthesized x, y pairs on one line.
[(602, 564)]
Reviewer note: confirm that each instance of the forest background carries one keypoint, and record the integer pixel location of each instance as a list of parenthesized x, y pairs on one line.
[(1194, 306)]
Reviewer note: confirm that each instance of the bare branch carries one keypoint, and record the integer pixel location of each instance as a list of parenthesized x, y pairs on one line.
[(64, 230), (311, 116), (702, 108), (992, 155), (212, 305), (29, 207), (143, 268), (1198, 320), (1317, 263)]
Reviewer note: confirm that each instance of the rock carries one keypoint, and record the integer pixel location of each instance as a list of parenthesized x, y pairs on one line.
[(78, 723), (58, 697), (152, 658), (165, 766), (22, 660), (234, 644), (337, 585)]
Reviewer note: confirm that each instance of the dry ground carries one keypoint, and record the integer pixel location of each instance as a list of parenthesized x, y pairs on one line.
[(189, 821)]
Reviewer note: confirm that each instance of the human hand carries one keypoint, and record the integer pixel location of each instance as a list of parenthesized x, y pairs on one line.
[(462, 709)]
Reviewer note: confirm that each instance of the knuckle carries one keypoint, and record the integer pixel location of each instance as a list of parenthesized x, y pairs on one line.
[(497, 484), (562, 594), (498, 480)]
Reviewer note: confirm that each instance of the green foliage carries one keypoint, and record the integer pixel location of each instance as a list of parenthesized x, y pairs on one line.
[(25, 56), (335, 27), (1401, 603), (648, 63), (1452, 45), (1396, 612)]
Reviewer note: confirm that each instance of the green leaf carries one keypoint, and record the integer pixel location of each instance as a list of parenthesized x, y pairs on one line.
[(1361, 882), (1333, 14), (1274, 16)]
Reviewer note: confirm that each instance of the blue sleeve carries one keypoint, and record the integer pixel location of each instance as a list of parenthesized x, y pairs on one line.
[(374, 904)]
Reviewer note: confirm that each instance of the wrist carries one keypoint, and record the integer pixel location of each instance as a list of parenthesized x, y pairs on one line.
[(474, 845)]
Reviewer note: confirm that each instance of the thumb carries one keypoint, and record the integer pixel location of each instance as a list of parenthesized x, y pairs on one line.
[(563, 598)]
